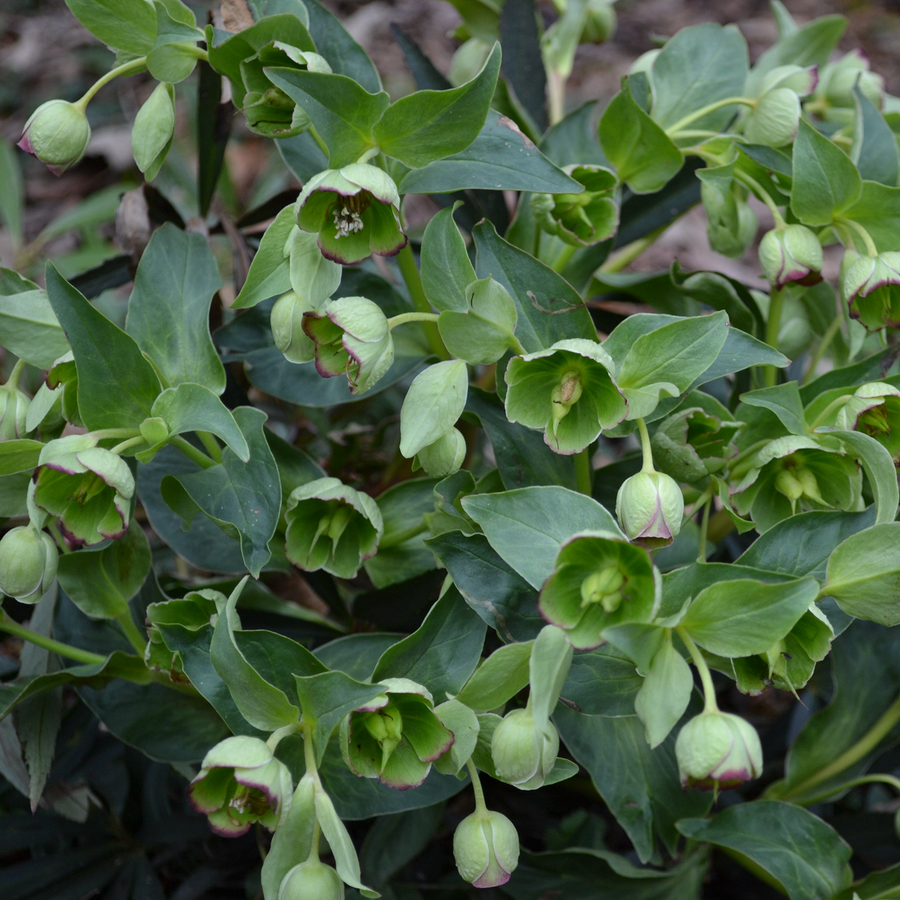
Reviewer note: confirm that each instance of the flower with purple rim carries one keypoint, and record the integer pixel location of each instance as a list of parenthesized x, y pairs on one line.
[(870, 285), (88, 488), (58, 134), (791, 253), (241, 782), (352, 338), (486, 848), (717, 750), (355, 212)]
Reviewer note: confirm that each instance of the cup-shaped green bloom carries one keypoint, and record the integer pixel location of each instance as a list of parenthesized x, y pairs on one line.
[(599, 580), (331, 526), (395, 737), (240, 782), (58, 134), (567, 392), (524, 754), (444, 457), (834, 92), (692, 444), (311, 880), (355, 212), (717, 750), (793, 474), (585, 218), (870, 285), (791, 253), (874, 409), (90, 489), (28, 560), (650, 507), (486, 849), (13, 412), (351, 338), (286, 320)]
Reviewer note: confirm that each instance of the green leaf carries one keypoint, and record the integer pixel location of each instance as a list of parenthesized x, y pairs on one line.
[(326, 698), (879, 467), (342, 111), (551, 656), (639, 785), (644, 156), (101, 582), (548, 308), (874, 148), (262, 704), (168, 314), (123, 24), (877, 885), (433, 403), (446, 269), (246, 495), (12, 192), (463, 723), (427, 125), (744, 617), (864, 574), (335, 832), (500, 158), (603, 682), (665, 694), (269, 273), (19, 456), (806, 856), (335, 44), (698, 66), (499, 678), (826, 182), (442, 654), (878, 211), (393, 841), (740, 351), (783, 400), (528, 526), (154, 126), (117, 385)]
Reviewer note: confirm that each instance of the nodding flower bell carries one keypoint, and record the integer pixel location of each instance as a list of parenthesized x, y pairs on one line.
[(58, 133), (791, 253), (717, 750), (486, 848)]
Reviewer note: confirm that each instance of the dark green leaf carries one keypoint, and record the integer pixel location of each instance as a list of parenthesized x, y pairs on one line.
[(446, 269), (213, 127), (395, 840), (123, 24), (343, 53), (29, 328), (602, 682), (874, 145), (521, 49)]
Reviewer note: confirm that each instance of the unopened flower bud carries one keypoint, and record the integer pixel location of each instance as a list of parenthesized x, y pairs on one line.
[(286, 321), (604, 587), (311, 880), (717, 750), (600, 22), (792, 253), (28, 561), (445, 456), (13, 412), (58, 134), (775, 118), (486, 849), (524, 754), (650, 507)]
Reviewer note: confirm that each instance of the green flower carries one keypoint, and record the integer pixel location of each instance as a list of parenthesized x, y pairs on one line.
[(717, 750), (776, 116), (870, 285), (240, 782), (693, 444), (566, 391), (331, 526), (650, 507), (286, 321), (585, 218), (395, 737), (731, 225), (58, 134), (352, 338), (486, 849), (90, 489), (524, 754), (874, 409), (311, 880), (834, 99), (599, 580), (355, 212), (28, 561), (791, 253)]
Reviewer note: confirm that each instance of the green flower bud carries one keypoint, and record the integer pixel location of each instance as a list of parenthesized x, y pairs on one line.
[(444, 457), (524, 754), (153, 130), (840, 77), (28, 561), (13, 413), (331, 526), (650, 507), (802, 81), (240, 782), (351, 338), (286, 321), (691, 445), (355, 212), (717, 750), (870, 285), (775, 118), (58, 134), (580, 219), (600, 22), (731, 224), (792, 253), (311, 880), (486, 849)]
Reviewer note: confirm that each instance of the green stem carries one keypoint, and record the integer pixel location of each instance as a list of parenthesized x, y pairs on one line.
[(103, 434), (211, 444), (866, 744), (709, 691), (410, 272), (763, 195), (127, 444), (372, 151), (880, 778), (403, 318), (69, 652), (135, 638), (673, 130), (126, 69), (556, 96), (318, 139), (400, 537), (622, 257), (744, 454), (562, 260), (279, 734), (13, 380), (583, 472), (480, 805), (773, 327), (645, 447), (191, 452), (871, 249), (824, 344), (309, 752)]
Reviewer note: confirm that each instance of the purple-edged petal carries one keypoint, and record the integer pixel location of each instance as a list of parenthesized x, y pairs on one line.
[(404, 769), (427, 735)]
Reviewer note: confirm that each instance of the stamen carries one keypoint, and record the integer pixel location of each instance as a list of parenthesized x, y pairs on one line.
[(346, 221)]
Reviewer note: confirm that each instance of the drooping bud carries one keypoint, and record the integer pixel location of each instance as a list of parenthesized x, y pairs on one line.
[(792, 253), (13, 413), (286, 321), (524, 754), (650, 507), (717, 750), (311, 880), (486, 849), (28, 561), (444, 457), (775, 118), (58, 134)]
